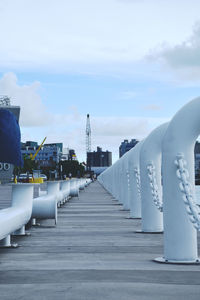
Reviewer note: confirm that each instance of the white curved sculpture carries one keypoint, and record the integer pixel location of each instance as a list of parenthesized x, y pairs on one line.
[(124, 181), (65, 187), (133, 157), (58, 192), (45, 207), (115, 181), (74, 188), (82, 183), (180, 236), (111, 181), (14, 218), (150, 164)]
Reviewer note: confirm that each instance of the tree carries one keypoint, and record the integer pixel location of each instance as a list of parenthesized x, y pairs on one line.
[(29, 166), (71, 166)]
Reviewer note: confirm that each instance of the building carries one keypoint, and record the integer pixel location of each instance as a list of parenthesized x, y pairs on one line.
[(59, 145), (72, 155), (126, 146), (99, 158), (48, 154), (68, 154)]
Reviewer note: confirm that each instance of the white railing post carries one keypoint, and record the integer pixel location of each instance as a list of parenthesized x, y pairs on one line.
[(180, 237), (150, 153)]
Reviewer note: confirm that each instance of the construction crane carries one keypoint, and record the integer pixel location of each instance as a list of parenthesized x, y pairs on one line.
[(88, 135), (34, 156)]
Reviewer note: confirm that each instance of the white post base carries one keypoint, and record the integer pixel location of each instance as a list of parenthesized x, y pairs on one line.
[(180, 262), (34, 222), (6, 243), (133, 218), (21, 231), (152, 232)]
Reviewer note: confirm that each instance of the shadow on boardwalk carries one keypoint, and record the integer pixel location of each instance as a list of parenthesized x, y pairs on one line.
[(93, 253)]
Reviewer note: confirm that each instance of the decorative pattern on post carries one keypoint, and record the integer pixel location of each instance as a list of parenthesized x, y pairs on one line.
[(154, 187), (185, 187), (128, 179), (137, 176)]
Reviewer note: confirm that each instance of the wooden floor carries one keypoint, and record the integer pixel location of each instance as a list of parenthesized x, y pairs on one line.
[(93, 253)]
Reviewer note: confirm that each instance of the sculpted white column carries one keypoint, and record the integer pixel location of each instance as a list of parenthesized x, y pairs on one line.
[(150, 161), (124, 181), (134, 173), (180, 236)]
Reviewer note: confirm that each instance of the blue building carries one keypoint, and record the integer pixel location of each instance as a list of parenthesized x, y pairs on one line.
[(126, 146), (48, 153)]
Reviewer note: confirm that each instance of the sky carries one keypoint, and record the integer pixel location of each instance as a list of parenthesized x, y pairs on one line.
[(130, 64)]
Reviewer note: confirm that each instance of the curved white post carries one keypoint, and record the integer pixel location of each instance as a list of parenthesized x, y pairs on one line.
[(120, 180), (150, 154), (82, 184), (134, 167), (115, 182), (53, 187), (124, 182), (180, 237), (60, 195), (74, 189), (45, 207), (65, 187), (14, 218)]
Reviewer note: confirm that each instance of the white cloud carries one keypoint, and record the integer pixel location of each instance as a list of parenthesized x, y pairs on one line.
[(107, 132), (64, 34), (183, 58), (119, 126), (33, 111), (36, 122)]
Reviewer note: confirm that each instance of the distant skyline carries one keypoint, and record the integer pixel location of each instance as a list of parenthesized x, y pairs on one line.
[(130, 64)]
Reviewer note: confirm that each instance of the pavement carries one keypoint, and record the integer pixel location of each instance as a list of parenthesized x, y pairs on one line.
[(93, 253)]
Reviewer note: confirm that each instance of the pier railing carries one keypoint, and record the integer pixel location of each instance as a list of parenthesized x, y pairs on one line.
[(24, 208), (153, 183)]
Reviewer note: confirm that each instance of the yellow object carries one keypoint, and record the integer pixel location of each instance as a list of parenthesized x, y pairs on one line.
[(36, 180), (34, 156), (15, 179)]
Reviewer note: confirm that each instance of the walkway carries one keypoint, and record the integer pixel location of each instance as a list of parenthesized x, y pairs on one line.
[(93, 254)]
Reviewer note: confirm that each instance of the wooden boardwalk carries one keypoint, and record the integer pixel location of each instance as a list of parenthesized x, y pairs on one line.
[(93, 253)]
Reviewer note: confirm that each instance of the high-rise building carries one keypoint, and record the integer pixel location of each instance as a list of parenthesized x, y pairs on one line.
[(99, 158), (126, 146)]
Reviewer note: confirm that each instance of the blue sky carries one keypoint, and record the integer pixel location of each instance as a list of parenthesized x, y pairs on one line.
[(130, 64)]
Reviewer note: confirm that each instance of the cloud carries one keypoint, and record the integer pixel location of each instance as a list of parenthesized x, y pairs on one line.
[(119, 126), (67, 35), (186, 54), (69, 128), (33, 111), (107, 132), (183, 58)]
